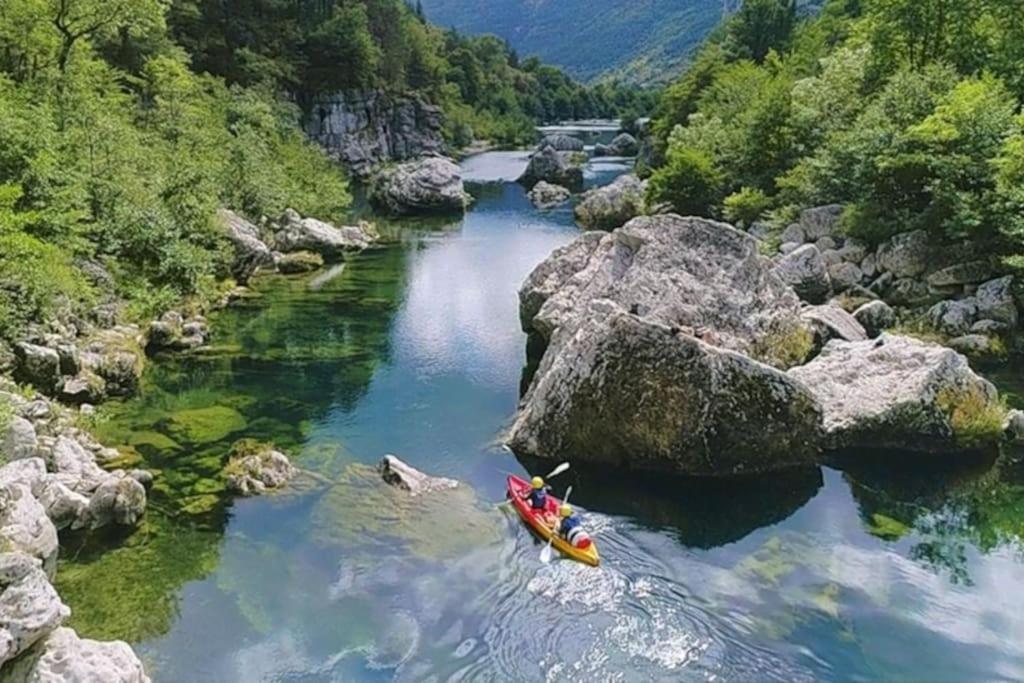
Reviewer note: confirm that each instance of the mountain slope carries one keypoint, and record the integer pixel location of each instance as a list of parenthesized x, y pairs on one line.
[(638, 40)]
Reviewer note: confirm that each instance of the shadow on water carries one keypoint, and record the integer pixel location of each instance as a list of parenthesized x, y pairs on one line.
[(702, 513)]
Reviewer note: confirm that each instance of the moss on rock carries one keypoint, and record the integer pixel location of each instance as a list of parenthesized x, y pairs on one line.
[(205, 425)]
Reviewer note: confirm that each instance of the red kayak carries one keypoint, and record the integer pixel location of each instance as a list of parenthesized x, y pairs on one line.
[(517, 488)]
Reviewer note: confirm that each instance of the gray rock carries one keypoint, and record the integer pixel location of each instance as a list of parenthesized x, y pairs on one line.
[(120, 370), (821, 221), (1014, 426), (144, 477), (561, 143), (408, 478), (972, 272), (63, 506), (309, 234), (831, 322), (256, 473), (845, 275), (906, 292), (24, 525), (869, 266), (906, 255), (430, 185), (365, 130), (554, 167), (18, 440), (544, 195), (29, 472), (996, 302), (38, 366), (990, 327), (804, 270), (63, 657), (892, 392), (119, 499), (953, 317), (831, 258), (854, 252), (971, 345), (76, 466), (628, 391), (689, 273), (86, 388), (875, 317), (827, 243), (793, 234), (613, 205), (29, 606), (788, 247), (624, 145), (68, 355), (250, 251), (300, 262)]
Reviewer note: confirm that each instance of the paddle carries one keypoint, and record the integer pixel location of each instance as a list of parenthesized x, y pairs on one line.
[(545, 555)]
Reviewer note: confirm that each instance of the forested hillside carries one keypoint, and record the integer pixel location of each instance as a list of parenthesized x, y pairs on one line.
[(125, 124), (636, 41), (907, 113)]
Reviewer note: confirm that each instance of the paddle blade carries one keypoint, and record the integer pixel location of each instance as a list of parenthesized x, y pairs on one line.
[(558, 470), (545, 555)]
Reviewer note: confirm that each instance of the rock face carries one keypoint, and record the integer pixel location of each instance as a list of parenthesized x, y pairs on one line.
[(309, 234), (610, 206), (257, 470), (29, 606), (632, 392), (642, 325), (893, 392), (804, 270), (364, 130), (561, 143), (554, 167), (544, 195), (624, 145), (430, 185), (251, 253), (63, 657), (408, 478)]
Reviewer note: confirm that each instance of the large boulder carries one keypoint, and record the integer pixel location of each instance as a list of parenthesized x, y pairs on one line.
[(610, 206), (691, 273), (554, 167), (431, 185), (29, 606), (900, 393), (953, 318), (804, 270), (906, 255), (544, 195), (650, 333), (845, 275), (63, 657), (624, 145), (38, 366), (561, 143), (629, 391), (119, 499), (820, 221), (309, 234), (968, 273), (408, 478), (250, 252)]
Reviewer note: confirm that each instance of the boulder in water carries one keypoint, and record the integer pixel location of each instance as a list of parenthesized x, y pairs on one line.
[(624, 145), (550, 165), (544, 195), (408, 478), (430, 185), (901, 393), (299, 262), (608, 207), (309, 234), (561, 142), (255, 468), (119, 499), (251, 253)]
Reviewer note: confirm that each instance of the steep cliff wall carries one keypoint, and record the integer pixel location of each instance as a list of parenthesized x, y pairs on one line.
[(366, 129)]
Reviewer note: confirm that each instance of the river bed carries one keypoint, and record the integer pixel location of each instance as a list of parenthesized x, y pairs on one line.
[(856, 571)]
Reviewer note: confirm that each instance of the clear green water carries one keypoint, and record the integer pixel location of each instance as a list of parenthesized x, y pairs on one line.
[(857, 571)]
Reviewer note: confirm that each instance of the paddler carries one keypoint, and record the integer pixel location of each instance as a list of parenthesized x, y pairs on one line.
[(571, 528), (538, 494)]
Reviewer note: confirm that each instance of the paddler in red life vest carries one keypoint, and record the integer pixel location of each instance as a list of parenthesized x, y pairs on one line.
[(571, 528)]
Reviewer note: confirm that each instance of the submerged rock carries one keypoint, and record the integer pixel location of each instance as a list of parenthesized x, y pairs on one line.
[(430, 185), (544, 195), (805, 271), (561, 143), (299, 262), (398, 473), (172, 331), (309, 234), (29, 606), (251, 253), (611, 206), (63, 657), (900, 393), (554, 167), (254, 468)]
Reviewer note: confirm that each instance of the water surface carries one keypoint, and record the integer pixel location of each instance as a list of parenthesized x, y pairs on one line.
[(857, 571)]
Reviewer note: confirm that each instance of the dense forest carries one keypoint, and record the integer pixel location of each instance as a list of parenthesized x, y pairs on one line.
[(125, 124), (906, 112)]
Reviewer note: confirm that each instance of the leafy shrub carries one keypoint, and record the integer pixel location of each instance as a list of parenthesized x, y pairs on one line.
[(688, 182), (746, 206)]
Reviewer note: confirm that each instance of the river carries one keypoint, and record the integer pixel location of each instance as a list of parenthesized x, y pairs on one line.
[(862, 570)]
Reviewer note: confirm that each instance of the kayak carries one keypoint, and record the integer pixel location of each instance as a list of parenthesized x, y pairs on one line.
[(517, 488)]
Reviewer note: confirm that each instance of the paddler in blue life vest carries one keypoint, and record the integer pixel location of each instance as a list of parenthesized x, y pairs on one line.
[(571, 528), (538, 494)]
